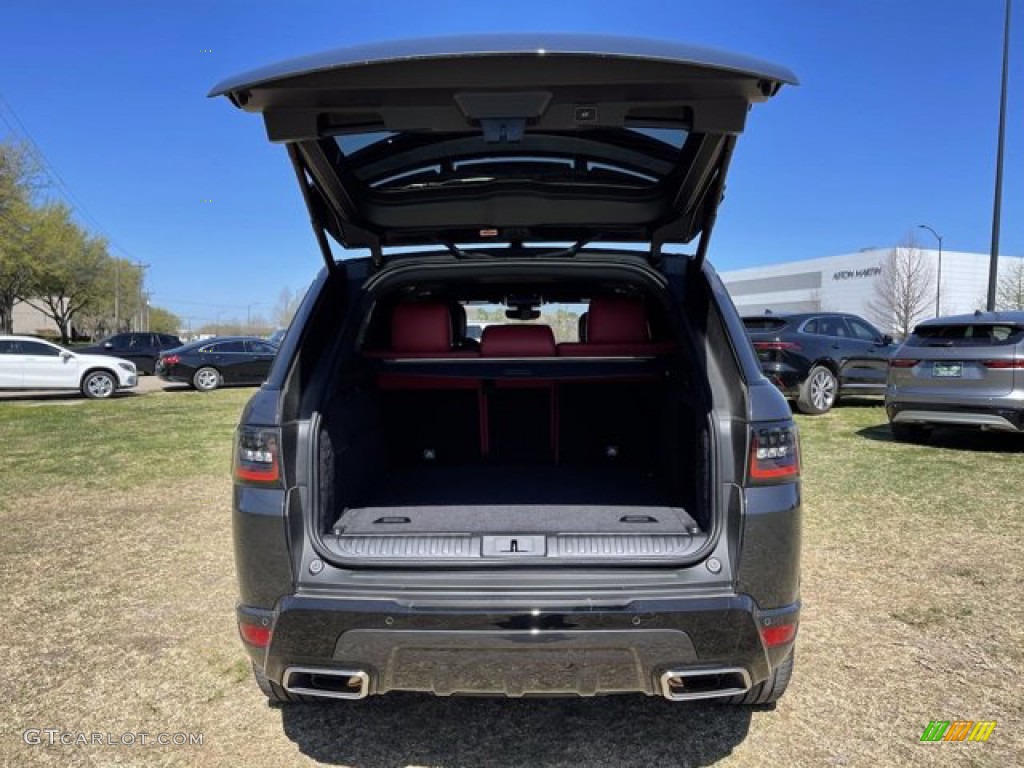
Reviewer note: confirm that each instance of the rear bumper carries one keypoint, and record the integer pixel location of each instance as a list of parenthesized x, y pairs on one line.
[(785, 378), (997, 417), (388, 645), (172, 375)]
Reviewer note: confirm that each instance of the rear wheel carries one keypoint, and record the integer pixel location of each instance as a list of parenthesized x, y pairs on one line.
[(908, 433), (274, 692), (99, 385), (771, 690), (206, 379), (818, 392)]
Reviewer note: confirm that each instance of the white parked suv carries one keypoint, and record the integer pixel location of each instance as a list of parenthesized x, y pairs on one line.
[(29, 363)]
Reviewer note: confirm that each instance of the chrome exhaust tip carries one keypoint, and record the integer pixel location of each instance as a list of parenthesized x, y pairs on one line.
[(327, 682), (692, 684)]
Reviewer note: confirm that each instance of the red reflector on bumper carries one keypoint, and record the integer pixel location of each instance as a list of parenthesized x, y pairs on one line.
[(778, 635), (255, 635)]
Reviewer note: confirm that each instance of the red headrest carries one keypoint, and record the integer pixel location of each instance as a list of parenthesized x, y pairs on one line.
[(617, 320), (517, 341), (417, 328)]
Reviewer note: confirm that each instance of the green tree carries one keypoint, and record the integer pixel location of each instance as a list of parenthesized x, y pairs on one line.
[(18, 182), (68, 267), (118, 293), (163, 321)]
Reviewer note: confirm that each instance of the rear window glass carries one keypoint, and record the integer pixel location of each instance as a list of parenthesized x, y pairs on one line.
[(628, 157), (971, 335), (763, 323)]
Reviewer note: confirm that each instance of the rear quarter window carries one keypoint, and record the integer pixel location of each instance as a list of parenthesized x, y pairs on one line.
[(972, 335)]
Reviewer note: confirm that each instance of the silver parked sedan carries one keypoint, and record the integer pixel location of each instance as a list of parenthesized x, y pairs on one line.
[(966, 370)]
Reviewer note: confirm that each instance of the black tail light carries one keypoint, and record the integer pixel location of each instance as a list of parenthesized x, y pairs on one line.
[(258, 456), (774, 454)]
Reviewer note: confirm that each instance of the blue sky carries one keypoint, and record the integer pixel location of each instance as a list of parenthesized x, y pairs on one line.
[(894, 123)]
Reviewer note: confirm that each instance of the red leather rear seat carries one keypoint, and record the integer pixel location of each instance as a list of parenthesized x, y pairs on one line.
[(423, 330), (616, 327), (517, 341)]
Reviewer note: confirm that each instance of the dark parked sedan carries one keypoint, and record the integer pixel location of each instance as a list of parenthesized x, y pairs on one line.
[(217, 362), (816, 357), (142, 348)]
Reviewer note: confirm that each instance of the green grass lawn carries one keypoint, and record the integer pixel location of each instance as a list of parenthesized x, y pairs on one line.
[(128, 442), (118, 593)]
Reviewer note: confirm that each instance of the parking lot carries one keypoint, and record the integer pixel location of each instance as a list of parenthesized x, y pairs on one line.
[(119, 592)]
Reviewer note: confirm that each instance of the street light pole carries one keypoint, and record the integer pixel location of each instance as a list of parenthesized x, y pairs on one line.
[(993, 264), (248, 315), (938, 276)]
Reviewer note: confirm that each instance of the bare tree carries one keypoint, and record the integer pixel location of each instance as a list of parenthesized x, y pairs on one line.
[(285, 308), (1010, 288), (905, 291)]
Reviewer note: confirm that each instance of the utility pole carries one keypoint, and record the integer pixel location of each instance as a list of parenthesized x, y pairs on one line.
[(142, 282), (993, 265), (117, 295)]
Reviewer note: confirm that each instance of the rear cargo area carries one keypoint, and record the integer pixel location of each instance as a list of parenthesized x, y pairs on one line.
[(449, 469)]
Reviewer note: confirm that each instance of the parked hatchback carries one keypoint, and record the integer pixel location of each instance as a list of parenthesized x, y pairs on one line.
[(614, 514), (31, 363), (962, 371), (142, 348), (216, 362), (815, 358)]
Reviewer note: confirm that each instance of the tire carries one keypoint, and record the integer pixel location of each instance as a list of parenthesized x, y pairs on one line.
[(275, 693), (769, 691), (206, 379), (908, 433), (818, 392), (99, 385)]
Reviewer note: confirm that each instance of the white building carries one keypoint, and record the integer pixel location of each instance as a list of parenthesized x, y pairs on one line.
[(30, 321), (847, 283)]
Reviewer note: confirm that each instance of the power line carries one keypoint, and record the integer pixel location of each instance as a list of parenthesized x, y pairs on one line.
[(167, 300), (54, 175)]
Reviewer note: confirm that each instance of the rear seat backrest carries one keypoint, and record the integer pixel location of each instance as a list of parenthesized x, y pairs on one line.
[(617, 320), (517, 341), (616, 327), (421, 328)]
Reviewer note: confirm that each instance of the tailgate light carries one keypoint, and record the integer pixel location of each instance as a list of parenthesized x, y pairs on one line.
[(257, 456), (1017, 364), (903, 363), (779, 634), (776, 345), (255, 635), (170, 359), (774, 454)]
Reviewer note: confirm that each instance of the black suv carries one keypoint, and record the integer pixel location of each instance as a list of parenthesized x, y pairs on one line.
[(619, 512), (816, 357), (141, 348)]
